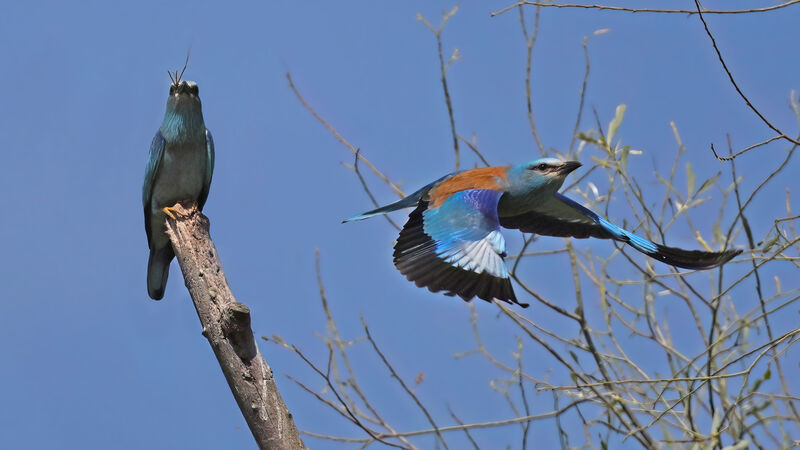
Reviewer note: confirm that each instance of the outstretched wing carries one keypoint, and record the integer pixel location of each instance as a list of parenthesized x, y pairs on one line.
[(153, 162), (555, 217), (209, 170), (456, 247), (561, 216)]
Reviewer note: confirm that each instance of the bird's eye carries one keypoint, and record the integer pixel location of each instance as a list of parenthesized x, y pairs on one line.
[(542, 167), (194, 90), (171, 89)]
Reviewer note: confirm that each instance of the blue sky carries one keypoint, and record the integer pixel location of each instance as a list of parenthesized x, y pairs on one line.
[(91, 362)]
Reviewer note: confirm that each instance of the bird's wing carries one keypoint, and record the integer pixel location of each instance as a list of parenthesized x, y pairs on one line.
[(153, 162), (556, 217), (456, 247), (561, 216), (209, 170), (407, 202)]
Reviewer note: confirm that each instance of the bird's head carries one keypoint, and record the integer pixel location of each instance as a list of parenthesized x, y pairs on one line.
[(183, 94), (183, 119), (543, 174)]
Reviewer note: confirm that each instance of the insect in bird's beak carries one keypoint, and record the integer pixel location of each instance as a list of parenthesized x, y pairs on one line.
[(178, 76)]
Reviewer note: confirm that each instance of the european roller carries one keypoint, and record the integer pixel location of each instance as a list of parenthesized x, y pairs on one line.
[(452, 242), (179, 170)]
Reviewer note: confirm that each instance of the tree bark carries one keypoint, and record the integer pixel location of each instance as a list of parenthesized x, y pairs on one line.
[(226, 325)]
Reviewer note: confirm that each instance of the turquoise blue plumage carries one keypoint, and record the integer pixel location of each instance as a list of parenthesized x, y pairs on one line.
[(452, 243), (179, 170)]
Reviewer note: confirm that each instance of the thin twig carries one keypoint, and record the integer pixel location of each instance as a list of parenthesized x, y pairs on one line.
[(402, 383), (583, 94), (733, 82), (466, 430), (744, 150), (645, 10), (355, 169), (326, 376), (530, 41), (341, 139), (443, 68), (474, 147)]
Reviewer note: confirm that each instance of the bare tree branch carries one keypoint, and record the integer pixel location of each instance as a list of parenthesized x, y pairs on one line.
[(226, 325)]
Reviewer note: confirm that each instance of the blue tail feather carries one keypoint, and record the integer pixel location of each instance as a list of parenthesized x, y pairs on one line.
[(407, 202)]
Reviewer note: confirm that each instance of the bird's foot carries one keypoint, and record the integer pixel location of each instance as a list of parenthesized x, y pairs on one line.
[(169, 211), (178, 210)]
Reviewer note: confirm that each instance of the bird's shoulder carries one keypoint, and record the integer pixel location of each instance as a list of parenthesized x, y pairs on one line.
[(493, 178)]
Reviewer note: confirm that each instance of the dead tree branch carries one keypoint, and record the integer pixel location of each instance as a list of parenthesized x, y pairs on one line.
[(226, 325)]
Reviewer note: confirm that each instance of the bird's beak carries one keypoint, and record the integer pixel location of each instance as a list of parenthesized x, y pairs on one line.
[(568, 167)]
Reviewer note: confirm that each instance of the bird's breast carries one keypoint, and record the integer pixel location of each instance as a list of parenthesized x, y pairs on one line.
[(181, 174)]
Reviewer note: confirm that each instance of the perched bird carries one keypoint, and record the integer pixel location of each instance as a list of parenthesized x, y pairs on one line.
[(452, 242), (179, 170)]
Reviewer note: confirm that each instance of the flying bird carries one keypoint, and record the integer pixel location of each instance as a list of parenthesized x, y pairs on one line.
[(452, 242), (179, 169)]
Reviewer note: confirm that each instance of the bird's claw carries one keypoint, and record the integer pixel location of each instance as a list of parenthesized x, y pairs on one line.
[(169, 211), (178, 210)]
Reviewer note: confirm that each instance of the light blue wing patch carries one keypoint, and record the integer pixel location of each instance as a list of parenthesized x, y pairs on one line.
[(465, 229), (456, 248), (484, 255)]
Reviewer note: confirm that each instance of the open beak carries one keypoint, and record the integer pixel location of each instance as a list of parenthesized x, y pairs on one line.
[(568, 167)]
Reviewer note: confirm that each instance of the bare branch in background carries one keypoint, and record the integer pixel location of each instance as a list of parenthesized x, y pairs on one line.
[(733, 156), (781, 134), (341, 139), (444, 66), (402, 383), (530, 41), (473, 145), (582, 96), (645, 10), (367, 190)]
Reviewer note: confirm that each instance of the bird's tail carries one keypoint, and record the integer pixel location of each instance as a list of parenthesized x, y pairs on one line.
[(692, 259), (687, 259), (407, 202), (383, 210), (158, 271)]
